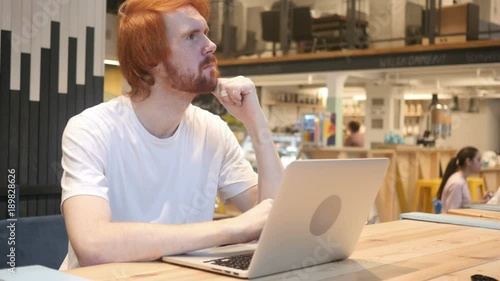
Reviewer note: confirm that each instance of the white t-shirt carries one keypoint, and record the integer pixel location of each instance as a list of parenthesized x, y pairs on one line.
[(455, 193), (108, 153)]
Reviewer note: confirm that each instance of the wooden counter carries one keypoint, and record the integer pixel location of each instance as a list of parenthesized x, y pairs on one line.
[(402, 250), (491, 178), (408, 165)]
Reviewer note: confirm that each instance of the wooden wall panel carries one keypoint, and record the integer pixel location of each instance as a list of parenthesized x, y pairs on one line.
[(13, 132), (24, 110), (33, 143), (4, 100), (71, 99), (63, 49), (51, 68), (43, 123), (81, 36), (36, 53), (15, 52), (53, 98), (89, 68)]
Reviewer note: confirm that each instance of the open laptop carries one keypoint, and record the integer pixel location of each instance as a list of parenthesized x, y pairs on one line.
[(317, 217)]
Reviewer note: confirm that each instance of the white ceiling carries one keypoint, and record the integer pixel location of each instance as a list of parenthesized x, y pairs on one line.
[(461, 80)]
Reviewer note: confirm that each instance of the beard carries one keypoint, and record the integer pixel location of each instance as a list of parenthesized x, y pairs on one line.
[(195, 83)]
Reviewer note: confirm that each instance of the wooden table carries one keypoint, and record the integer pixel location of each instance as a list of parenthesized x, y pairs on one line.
[(398, 250), (476, 213)]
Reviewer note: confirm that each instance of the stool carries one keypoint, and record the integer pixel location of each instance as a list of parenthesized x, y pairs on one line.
[(426, 190), (477, 188)]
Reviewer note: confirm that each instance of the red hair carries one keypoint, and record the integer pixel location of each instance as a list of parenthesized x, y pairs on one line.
[(142, 41)]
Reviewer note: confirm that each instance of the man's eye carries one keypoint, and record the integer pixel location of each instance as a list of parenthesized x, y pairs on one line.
[(191, 37)]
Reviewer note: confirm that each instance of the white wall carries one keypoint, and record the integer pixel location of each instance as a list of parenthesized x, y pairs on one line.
[(387, 20), (111, 31), (481, 130)]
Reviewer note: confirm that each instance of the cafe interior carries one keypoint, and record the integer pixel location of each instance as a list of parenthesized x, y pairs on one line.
[(420, 78)]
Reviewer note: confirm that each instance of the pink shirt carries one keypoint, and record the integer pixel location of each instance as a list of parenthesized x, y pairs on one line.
[(455, 193), (355, 139)]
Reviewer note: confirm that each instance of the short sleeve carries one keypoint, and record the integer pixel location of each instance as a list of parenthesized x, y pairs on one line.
[(453, 199), (236, 173), (83, 159)]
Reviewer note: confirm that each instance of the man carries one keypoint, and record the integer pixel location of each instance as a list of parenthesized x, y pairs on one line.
[(141, 172)]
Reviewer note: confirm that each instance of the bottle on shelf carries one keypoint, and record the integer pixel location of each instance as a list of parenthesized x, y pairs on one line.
[(439, 121)]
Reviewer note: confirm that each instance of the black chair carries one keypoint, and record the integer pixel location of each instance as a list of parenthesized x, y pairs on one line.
[(302, 31), (271, 27), (39, 241)]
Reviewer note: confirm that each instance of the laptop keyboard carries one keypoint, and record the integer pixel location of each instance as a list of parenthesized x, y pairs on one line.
[(238, 262)]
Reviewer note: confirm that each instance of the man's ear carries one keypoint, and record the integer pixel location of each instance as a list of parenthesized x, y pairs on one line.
[(158, 69)]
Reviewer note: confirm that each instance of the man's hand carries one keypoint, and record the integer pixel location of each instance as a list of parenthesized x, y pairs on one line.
[(248, 226), (239, 97)]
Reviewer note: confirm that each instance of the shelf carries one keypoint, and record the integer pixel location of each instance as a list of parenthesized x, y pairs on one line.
[(414, 115), (294, 104)]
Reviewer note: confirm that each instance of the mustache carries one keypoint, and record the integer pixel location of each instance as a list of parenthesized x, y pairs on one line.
[(208, 60)]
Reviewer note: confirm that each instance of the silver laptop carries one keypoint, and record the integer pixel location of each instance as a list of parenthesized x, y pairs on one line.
[(317, 217)]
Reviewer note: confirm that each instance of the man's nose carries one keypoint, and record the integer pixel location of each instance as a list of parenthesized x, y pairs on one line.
[(210, 48)]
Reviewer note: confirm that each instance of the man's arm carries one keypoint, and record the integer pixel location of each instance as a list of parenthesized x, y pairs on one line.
[(96, 240), (239, 96)]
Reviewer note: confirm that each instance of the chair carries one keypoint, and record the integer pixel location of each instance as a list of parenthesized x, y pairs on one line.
[(477, 188), (271, 27), (302, 27), (425, 192), (39, 241)]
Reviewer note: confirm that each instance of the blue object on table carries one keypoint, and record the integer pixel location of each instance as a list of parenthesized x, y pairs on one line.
[(438, 205)]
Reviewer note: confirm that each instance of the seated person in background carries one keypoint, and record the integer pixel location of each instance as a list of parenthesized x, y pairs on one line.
[(142, 171), (454, 190), (355, 137)]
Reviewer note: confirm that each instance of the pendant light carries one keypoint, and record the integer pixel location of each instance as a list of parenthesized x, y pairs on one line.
[(473, 105), (455, 105)]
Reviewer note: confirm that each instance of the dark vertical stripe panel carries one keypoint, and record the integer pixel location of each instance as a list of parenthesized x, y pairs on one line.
[(43, 144), (61, 124), (25, 119), (53, 97), (4, 105), (23, 208), (14, 133), (80, 98), (71, 77), (89, 68), (32, 206), (33, 142), (98, 89)]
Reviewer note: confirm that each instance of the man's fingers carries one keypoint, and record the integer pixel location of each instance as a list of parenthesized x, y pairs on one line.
[(223, 93)]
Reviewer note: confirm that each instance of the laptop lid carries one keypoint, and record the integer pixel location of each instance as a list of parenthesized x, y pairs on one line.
[(317, 217)]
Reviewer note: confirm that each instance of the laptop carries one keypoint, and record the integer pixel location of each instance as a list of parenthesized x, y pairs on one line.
[(317, 217)]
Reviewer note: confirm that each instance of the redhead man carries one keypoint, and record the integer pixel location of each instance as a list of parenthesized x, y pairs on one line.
[(142, 171)]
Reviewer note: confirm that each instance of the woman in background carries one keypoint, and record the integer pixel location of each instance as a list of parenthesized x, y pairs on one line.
[(356, 138), (454, 190)]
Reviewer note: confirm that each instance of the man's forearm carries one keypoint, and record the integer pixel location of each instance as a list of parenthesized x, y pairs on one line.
[(119, 242), (269, 164)]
